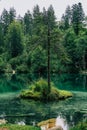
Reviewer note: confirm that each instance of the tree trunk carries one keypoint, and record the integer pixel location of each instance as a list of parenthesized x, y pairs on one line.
[(48, 71), (84, 62)]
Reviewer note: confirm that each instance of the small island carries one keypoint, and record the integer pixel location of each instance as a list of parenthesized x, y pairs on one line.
[(39, 91)]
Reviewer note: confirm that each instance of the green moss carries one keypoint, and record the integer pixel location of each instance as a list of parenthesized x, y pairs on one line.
[(18, 127), (39, 91), (31, 95), (64, 94)]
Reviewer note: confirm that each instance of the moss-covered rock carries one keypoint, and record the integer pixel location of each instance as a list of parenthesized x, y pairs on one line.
[(49, 124), (39, 91)]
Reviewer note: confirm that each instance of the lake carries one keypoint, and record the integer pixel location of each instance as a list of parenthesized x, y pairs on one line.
[(15, 110)]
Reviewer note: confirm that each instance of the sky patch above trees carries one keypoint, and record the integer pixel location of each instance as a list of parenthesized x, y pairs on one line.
[(24, 5)]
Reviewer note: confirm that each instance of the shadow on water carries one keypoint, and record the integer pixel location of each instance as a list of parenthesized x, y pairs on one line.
[(15, 110)]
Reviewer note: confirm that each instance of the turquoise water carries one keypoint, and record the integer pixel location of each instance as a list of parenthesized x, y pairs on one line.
[(14, 109)]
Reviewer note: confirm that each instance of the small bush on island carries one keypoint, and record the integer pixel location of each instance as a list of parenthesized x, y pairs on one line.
[(39, 91)]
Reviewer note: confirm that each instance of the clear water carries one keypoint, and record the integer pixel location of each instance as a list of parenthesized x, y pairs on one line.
[(15, 110)]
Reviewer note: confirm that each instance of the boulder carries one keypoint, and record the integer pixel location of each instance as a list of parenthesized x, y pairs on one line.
[(49, 125)]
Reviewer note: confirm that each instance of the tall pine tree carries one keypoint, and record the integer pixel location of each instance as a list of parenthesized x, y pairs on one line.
[(15, 39), (77, 17), (12, 15), (28, 22), (5, 20)]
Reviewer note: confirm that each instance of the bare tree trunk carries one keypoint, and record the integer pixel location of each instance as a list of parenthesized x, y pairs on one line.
[(84, 82), (48, 72), (84, 62)]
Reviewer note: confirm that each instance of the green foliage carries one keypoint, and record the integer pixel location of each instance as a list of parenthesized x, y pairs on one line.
[(71, 47), (22, 69), (51, 17), (2, 65), (28, 23), (23, 41), (66, 18), (5, 21), (38, 60), (42, 87), (1, 39), (3, 62), (15, 39), (81, 42), (12, 15), (18, 62), (38, 90), (77, 17)]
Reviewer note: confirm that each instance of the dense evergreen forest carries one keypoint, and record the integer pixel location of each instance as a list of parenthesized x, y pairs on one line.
[(23, 40)]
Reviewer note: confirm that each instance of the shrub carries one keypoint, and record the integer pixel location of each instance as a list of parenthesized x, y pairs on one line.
[(42, 86)]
